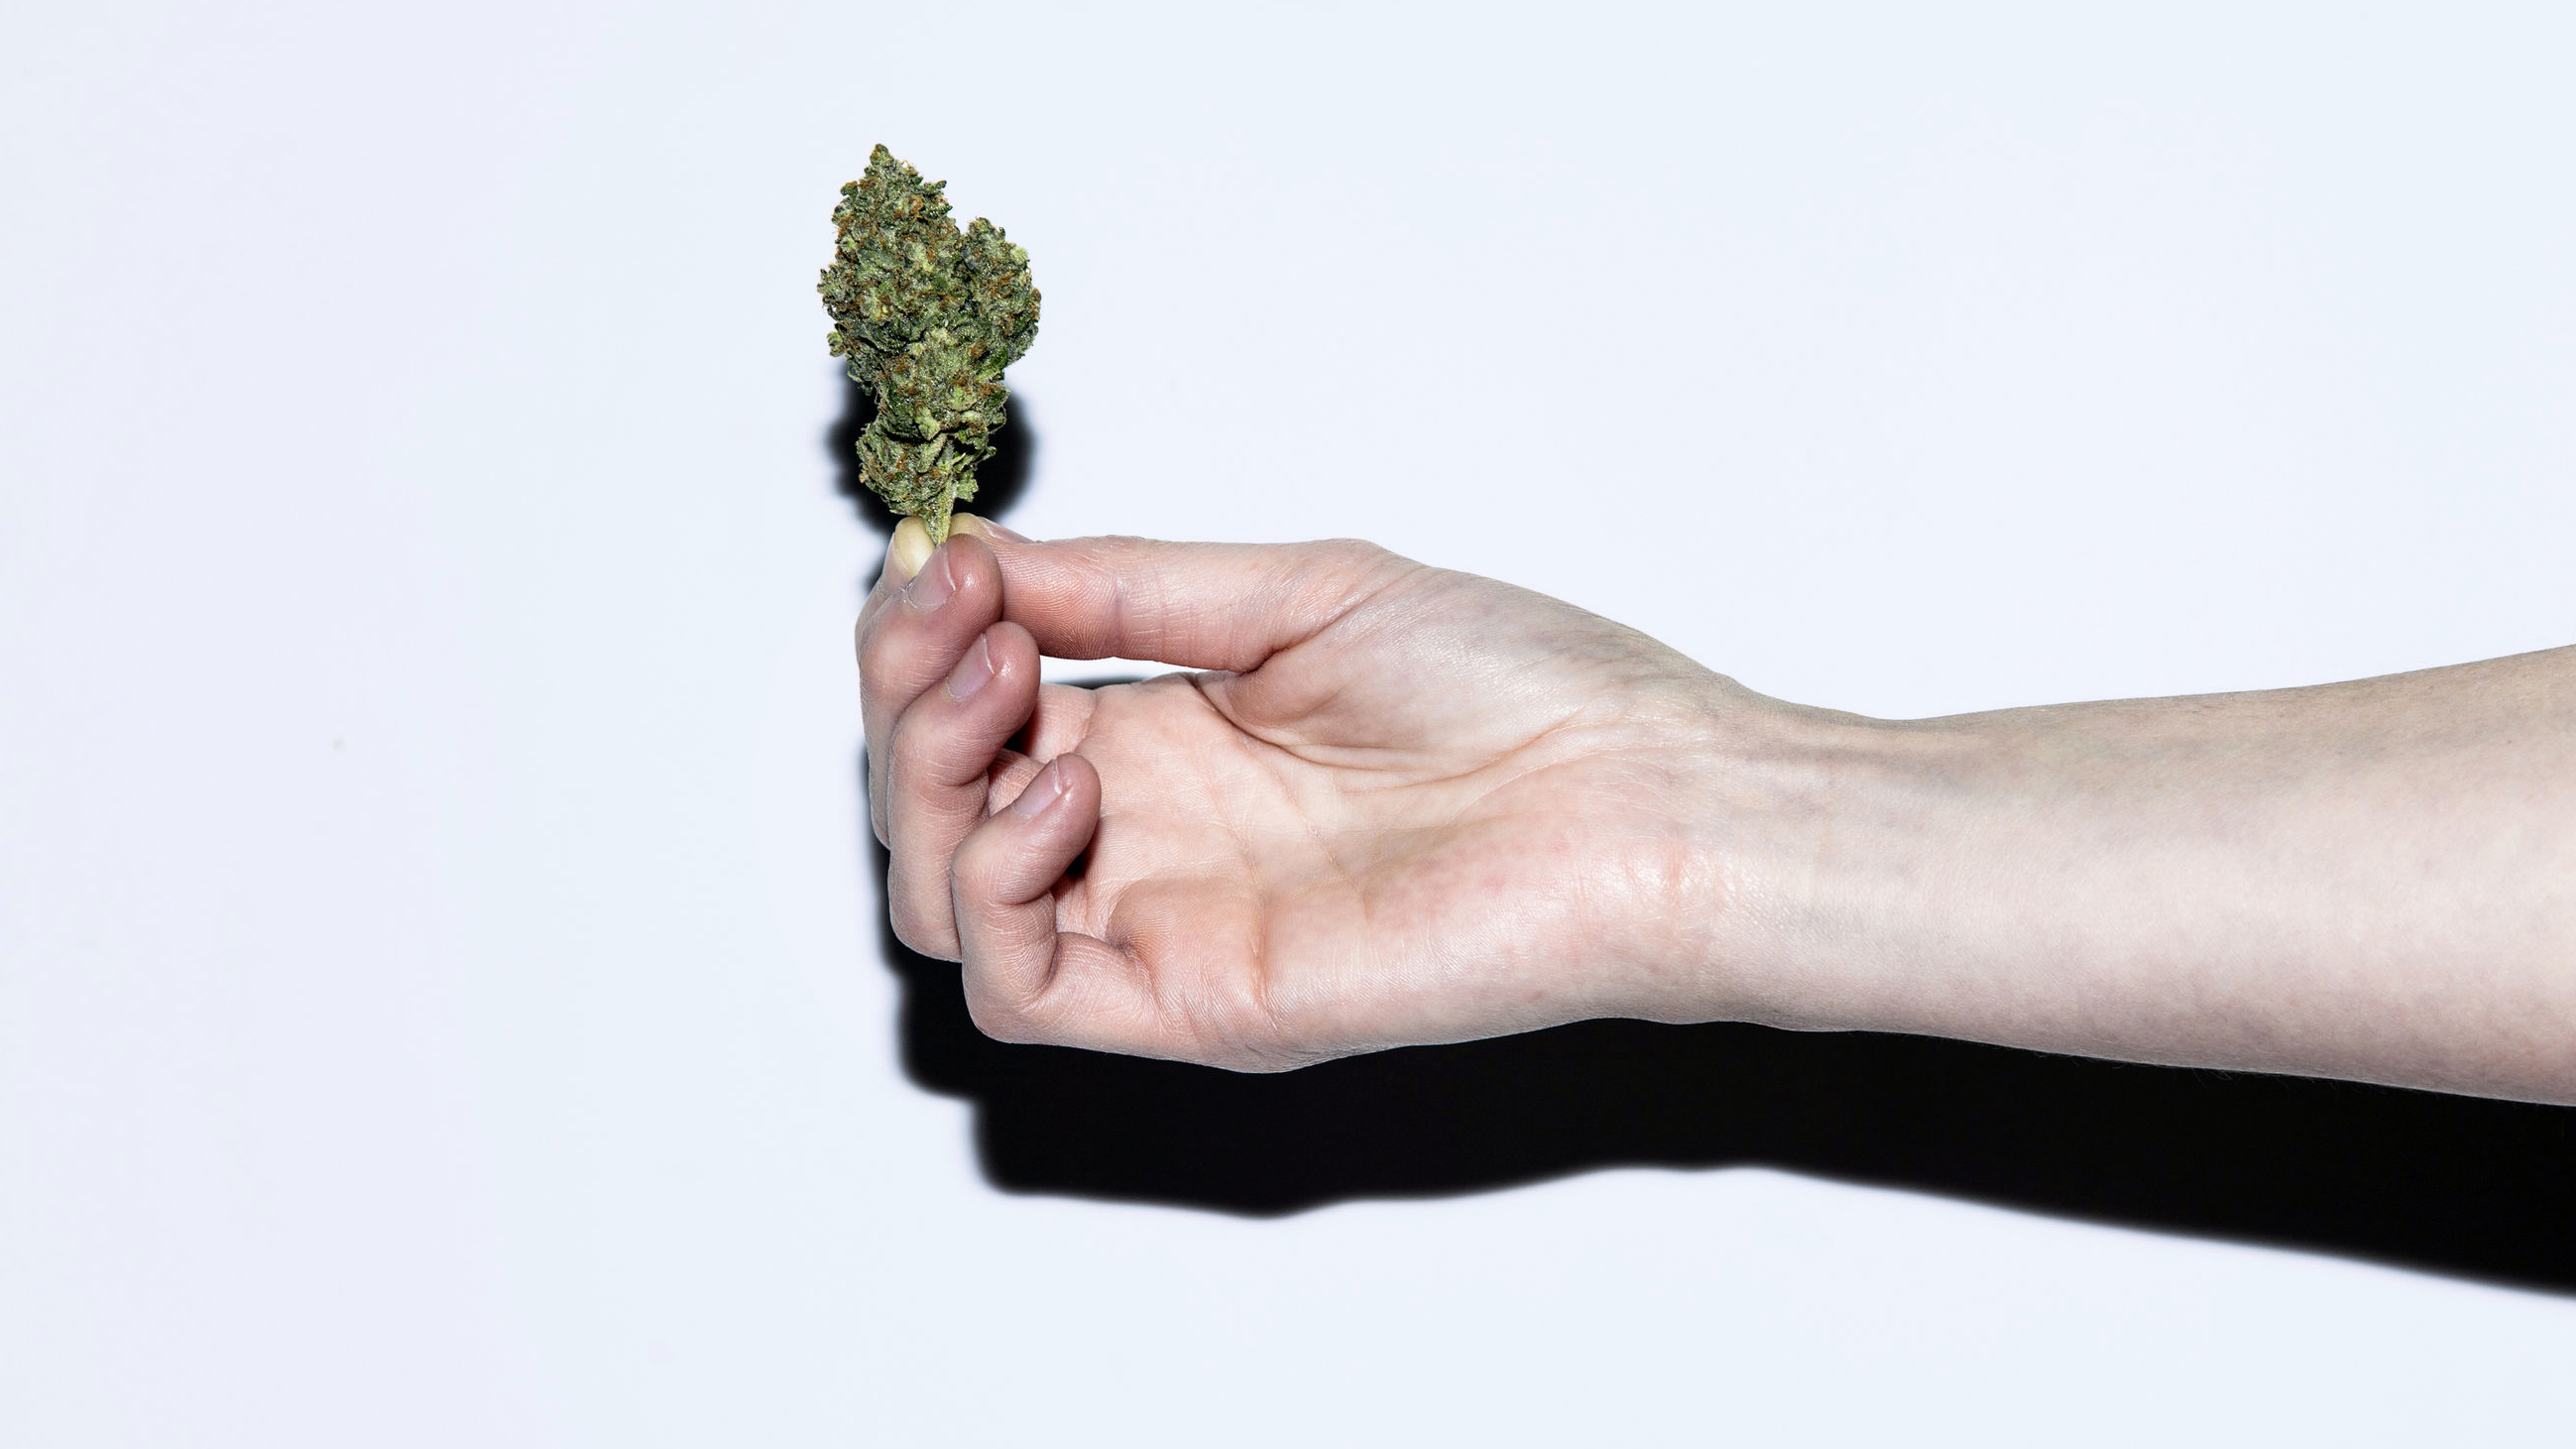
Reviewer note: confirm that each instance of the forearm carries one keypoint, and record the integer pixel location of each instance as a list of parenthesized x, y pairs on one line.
[(2374, 880)]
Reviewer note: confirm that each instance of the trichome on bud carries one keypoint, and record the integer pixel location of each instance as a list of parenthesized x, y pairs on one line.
[(928, 317)]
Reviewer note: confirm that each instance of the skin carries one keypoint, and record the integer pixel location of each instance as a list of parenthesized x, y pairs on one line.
[(1399, 805)]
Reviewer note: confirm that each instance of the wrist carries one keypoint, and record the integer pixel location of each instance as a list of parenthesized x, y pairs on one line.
[(1819, 843)]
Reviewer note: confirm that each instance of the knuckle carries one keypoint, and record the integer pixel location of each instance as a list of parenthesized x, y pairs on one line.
[(1003, 1020), (1253, 1064), (878, 659), (1359, 556), (915, 737), (1341, 574), (928, 756), (1239, 1030), (875, 631), (1255, 1049), (880, 800), (976, 869), (919, 931)]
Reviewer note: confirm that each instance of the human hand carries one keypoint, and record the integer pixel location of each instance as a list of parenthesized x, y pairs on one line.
[(1400, 805)]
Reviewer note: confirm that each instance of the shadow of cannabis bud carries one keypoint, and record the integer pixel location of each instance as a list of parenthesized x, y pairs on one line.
[(928, 317)]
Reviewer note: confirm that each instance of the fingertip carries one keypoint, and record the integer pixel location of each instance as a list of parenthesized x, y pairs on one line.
[(971, 554), (1081, 780), (1063, 784), (983, 528), (925, 585), (1041, 793), (907, 551), (1015, 656), (1002, 652)]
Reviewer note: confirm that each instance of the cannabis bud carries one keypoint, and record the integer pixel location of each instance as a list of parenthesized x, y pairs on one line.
[(928, 317)]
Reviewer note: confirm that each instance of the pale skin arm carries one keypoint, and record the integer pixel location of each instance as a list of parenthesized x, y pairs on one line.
[(1402, 805)]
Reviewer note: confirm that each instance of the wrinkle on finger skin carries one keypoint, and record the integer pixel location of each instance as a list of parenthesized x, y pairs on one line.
[(1304, 679), (1062, 720), (1455, 670), (1196, 941), (1010, 774)]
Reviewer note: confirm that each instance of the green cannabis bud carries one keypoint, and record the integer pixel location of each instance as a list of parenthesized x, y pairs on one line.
[(928, 317)]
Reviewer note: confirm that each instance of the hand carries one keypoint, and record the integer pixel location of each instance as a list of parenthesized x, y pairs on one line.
[(1399, 805)]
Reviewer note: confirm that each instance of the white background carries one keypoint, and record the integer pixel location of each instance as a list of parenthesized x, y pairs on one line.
[(440, 999)]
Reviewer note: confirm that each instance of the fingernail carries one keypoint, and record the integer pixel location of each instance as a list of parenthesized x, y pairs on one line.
[(908, 550), (933, 586), (1041, 792), (983, 528), (972, 672)]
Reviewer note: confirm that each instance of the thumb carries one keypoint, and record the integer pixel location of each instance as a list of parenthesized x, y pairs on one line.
[(1196, 605)]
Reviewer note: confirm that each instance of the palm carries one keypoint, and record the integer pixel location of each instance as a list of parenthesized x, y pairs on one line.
[(1299, 854)]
